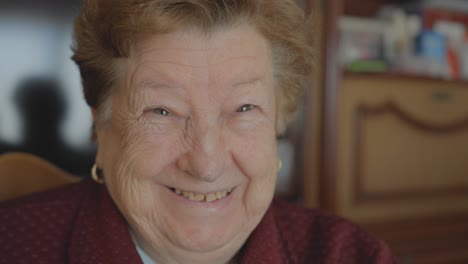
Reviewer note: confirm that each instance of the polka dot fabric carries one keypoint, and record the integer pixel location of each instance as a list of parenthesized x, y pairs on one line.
[(80, 224), (290, 233), (75, 224)]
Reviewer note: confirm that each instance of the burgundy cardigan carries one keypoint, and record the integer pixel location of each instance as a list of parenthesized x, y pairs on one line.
[(79, 223)]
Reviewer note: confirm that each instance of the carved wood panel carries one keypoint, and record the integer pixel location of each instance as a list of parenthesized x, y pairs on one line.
[(442, 154), (402, 152)]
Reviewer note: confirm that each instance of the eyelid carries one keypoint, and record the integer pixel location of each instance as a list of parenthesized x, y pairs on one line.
[(160, 109), (248, 106)]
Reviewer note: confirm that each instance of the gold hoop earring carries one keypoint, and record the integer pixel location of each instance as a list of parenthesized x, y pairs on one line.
[(95, 175)]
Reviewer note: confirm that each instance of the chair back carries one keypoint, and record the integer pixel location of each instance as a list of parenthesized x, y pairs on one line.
[(24, 173)]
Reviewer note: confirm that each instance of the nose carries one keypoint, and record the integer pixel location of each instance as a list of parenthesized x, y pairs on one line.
[(206, 153)]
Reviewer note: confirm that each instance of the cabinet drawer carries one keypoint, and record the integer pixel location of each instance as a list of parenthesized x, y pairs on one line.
[(402, 148)]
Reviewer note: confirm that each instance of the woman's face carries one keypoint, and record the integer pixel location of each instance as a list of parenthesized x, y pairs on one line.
[(189, 154)]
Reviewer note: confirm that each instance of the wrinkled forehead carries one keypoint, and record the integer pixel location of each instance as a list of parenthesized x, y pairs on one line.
[(240, 40), (233, 53)]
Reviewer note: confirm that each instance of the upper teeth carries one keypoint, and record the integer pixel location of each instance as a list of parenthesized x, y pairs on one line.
[(198, 197)]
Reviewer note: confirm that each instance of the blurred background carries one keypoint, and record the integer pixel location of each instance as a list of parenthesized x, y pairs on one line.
[(385, 140), (42, 110)]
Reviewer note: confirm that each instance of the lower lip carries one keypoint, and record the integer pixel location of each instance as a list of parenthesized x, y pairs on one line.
[(214, 205)]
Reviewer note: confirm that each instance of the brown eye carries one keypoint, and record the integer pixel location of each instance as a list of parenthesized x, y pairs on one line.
[(161, 111), (245, 108)]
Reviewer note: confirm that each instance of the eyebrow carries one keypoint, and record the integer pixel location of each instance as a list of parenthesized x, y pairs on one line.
[(156, 85), (251, 81), (152, 84)]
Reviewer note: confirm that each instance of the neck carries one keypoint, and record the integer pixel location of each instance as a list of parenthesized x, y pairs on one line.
[(182, 257)]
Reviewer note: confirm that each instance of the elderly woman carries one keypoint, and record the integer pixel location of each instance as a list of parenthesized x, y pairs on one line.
[(188, 97)]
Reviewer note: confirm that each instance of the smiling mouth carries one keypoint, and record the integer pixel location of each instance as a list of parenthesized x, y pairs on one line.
[(200, 197)]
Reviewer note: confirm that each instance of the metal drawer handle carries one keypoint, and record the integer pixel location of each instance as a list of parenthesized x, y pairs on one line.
[(441, 96)]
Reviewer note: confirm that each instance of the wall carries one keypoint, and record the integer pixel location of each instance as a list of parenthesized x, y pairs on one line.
[(35, 39)]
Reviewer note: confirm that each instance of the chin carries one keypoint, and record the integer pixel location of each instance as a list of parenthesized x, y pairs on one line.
[(208, 237)]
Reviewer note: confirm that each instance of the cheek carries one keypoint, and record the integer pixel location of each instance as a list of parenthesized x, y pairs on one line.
[(255, 147), (256, 155), (148, 154), (133, 159), (154, 156)]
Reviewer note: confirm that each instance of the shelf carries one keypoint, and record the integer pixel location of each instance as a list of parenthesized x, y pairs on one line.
[(367, 8), (402, 76)]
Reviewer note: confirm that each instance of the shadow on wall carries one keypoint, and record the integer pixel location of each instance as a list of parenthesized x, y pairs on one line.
[(42, 108)]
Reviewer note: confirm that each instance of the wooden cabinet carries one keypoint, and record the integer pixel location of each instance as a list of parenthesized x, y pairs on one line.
[(389, 152), (403, 148)]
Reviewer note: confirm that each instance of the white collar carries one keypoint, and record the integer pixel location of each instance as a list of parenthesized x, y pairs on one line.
[(143, 255)]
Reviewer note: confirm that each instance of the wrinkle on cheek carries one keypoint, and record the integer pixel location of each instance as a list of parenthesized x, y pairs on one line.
[(125, 144), (127, 163), (123, 120), (127, 117), (257, 146), (140, 142), (133, 177)]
